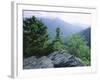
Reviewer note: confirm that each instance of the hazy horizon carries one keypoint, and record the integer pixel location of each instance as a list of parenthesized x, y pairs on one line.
[(78, 19)]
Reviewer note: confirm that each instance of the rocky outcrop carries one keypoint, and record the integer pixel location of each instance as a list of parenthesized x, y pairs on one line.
[(44, 62), (55, 59), (34, 63), (64, 59), (29, 63)]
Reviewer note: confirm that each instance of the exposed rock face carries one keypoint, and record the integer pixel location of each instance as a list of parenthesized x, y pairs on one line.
[(63, 59), (55, 59), (44, 62), (34, 63), (30, 62)]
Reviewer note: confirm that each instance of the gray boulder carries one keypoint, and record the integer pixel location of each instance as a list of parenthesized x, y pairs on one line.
[(44, 62), (36, 63), (64, 59), (29, 63)]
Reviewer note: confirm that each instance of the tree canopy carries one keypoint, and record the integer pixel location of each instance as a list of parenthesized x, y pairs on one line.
[(35, 37), (77, 46)]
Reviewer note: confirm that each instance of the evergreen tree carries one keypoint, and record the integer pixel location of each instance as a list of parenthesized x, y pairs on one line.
[(57, 43), (58, 33), (35, 37)]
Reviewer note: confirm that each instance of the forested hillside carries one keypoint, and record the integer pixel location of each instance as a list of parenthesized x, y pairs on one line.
[(87, 35)]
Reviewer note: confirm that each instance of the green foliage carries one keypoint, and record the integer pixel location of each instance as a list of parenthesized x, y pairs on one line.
[(77, 46), (35, 37), (57, 43), (58, 34)]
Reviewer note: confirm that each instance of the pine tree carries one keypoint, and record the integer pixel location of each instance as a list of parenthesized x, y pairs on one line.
[(35, 37), (57, 42), (58, 33)]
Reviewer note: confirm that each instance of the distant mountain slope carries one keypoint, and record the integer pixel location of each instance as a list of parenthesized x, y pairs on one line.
[(67, 29), (87, 34)]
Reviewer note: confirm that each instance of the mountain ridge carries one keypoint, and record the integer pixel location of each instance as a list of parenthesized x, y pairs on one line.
[(67, 29)]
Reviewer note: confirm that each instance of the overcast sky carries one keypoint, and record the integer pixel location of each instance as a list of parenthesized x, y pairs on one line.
[(76, 18)]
